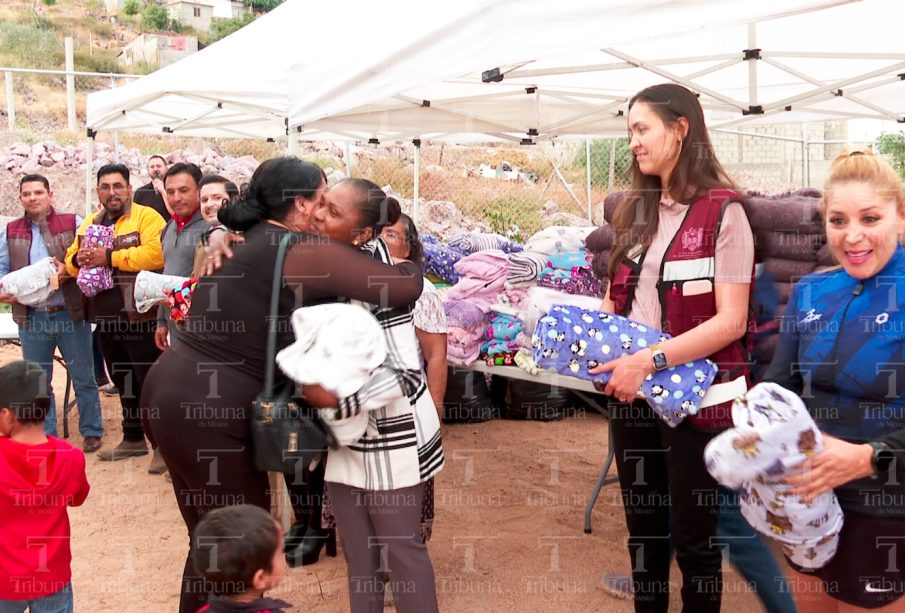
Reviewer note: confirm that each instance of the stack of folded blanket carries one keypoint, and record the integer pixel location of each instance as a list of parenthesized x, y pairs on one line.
[(482, 278), (440, 259), (570, 272), (466, 326), (525, 268), (472, 242), (501, 334), (556, 239)]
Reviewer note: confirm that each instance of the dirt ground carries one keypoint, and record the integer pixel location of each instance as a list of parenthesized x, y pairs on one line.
[(507, 537)]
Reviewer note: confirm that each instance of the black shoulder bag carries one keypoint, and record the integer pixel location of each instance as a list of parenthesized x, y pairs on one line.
[(284, 430)]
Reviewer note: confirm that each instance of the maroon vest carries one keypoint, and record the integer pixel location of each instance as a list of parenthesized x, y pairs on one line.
[(688, 266), (58, 234)]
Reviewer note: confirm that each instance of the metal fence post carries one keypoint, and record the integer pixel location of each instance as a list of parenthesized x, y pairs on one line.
[(89, 171), (417, 178), (347, 153), (612, 179), (70, 83), (806, 156), (587, 156), (10, 102)]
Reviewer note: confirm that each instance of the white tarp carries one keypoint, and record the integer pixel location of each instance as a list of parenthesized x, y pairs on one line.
[(353, 69)]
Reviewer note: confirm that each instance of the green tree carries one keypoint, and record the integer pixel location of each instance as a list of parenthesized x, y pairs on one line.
[(893, 145), (155, 18), (262, 6), (220, 28), (131, 7)]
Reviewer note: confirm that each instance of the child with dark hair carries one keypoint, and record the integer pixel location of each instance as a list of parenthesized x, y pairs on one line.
[(40, 476), (238, 551)]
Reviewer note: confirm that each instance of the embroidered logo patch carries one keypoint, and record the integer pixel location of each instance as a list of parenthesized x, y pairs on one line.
[(692, 239), (811, 316)]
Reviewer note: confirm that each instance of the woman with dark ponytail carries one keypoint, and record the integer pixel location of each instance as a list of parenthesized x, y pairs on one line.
[(200, 394)]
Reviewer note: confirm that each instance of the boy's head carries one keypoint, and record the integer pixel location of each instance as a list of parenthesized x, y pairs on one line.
[(239, 549), (24, 397)]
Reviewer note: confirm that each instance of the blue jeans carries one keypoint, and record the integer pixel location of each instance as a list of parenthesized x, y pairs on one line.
[(751, 556), (59, 602), (46, 332)]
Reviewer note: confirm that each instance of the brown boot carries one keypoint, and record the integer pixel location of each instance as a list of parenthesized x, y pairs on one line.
[(126, 449), (157, 466)]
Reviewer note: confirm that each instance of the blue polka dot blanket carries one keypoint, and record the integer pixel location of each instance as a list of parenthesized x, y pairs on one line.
[(571, 340)]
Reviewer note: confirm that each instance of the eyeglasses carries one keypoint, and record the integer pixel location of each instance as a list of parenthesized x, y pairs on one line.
[(391, 236), (117, 187)]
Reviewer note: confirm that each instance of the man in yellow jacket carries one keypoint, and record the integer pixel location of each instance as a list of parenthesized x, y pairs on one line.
[(126, 336)]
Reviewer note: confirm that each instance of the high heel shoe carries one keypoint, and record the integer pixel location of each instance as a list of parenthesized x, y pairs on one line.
[(295, 536), (310, 549)]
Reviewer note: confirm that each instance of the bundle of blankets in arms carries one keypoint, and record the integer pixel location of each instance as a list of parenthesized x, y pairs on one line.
[(32, 284), (773, 435), (572, 341), (93, 280)]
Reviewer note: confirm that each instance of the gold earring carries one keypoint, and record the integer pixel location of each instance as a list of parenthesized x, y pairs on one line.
[(355, 242)]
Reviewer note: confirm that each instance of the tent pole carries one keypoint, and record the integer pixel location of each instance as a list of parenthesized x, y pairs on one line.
[(89, 171), (292, 142), (752, 66), (587, 157), (347, 153), (417, 172)]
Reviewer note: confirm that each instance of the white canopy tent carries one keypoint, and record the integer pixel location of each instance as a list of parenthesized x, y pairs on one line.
[(353, 69), (528, 72)]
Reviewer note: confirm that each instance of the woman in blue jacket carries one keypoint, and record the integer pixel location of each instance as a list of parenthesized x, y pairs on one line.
[(842, 348)]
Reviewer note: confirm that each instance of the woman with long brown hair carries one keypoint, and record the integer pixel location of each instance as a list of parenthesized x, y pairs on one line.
[(682, 262)]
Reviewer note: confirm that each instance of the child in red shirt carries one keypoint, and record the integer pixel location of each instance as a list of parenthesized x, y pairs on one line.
[(39, 477)]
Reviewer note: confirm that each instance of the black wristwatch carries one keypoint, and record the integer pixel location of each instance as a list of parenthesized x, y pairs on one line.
[(658, 358), (882, 459)]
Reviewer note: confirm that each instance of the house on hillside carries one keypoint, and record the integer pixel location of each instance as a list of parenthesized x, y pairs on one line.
[(191, 13), (227, 9), (157, 50)]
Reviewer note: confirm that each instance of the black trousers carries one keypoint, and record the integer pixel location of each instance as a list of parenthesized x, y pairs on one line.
[(200, 417), (662, 467), (130, 352)]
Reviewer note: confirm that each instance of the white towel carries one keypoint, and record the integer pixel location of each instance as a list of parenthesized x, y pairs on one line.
[(151, 288), (773, 434), (31, 284), (337, 346)]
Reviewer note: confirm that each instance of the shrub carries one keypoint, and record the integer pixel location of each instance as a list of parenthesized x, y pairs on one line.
[(600, 161), (262, 6), (155, 18), (48, 2), (30, 47), (221, 28), (131, 7)]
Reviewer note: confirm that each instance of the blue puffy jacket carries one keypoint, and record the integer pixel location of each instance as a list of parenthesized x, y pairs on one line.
[(842, 348)]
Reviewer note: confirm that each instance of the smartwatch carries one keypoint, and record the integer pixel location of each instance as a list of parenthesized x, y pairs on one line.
[(658, 358), (883, 456)]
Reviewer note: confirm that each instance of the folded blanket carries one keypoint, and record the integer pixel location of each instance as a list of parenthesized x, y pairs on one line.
[(580, 281), (792, 212), (571, 340), (465, 337), (477, 291), (511, 298), (463, 355), (773, 434), (567, 260), (505, 358), (496, 347), (487, 265), (337, 346), (503, 327), (439, 260), (600, 239), (610, 204), (152, 288), (525, 267), (30, 284), (462, 314), (541, 299), (94, 280), (558, 238), (472, 242)]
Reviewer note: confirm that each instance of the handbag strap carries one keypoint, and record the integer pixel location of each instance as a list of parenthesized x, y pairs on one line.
[(274, 310)]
